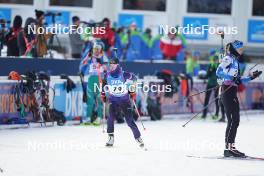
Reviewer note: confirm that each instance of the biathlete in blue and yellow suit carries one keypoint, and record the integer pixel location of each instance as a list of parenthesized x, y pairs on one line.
[(229, 73), (94, 65)]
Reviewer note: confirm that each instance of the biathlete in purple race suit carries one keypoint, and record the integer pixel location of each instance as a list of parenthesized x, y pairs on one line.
[(119, 97)]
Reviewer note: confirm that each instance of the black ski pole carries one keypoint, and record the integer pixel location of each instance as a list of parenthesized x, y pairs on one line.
[(202, 102), (253, 67), (198, 93), (83, 88), (193, 117), (139, 116), (222, 35)]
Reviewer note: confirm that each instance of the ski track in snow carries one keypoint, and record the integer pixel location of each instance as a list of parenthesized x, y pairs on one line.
[(80, 151)]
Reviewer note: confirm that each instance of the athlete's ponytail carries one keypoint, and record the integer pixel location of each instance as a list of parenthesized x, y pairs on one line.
[(231, 50)]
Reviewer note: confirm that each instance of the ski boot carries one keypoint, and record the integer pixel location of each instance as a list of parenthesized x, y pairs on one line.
[(203, 117), (214, 117), (97, 122), (110, 141), (86, 122), (222, 119), (140, 142), (231, 151)]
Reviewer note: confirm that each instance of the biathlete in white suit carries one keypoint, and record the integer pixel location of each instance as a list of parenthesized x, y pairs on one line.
[(229, 72)]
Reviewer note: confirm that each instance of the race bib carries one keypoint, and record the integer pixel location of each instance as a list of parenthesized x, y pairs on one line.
[(116, 86), (93, 69), (118, 90)]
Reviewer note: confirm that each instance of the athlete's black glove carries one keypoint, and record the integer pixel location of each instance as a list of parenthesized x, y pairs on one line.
[(255, 74), (237, 80)]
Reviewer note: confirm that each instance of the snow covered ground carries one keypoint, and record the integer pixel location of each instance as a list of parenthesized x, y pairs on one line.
[(80, 151)]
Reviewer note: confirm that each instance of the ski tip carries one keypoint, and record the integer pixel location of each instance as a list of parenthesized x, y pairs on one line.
[(255, 158)]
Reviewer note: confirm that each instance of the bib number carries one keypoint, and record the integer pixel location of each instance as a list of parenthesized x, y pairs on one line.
[(118, 90)]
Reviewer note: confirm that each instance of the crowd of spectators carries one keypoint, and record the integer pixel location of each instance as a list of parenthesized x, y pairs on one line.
[(21, 41), (130, 41)]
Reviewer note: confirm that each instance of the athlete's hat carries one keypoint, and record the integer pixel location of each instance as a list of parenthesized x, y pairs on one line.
[(237, 44), (98, 44), (114, 60)]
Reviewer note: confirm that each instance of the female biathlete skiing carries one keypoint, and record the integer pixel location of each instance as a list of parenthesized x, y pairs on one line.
[(119, 96), (93, 65), (229, 72)]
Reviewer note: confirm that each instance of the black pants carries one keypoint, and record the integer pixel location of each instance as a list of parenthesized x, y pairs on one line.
[(207, 98), (125, 107), (221, 104), (231, 105)]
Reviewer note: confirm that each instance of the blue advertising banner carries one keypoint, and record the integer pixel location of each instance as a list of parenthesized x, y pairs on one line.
[(5, 13), (195, 28), (8, 108), (70, 103), (128, 19), (7, 105), (256, 31)]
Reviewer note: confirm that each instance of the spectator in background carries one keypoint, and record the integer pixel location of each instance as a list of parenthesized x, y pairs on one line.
[(108, 38), (212, 83), (41, 39), (192, 65), (146, 44), (155, 48), (75, 39), (147, 36), (132, 42), (171, 45), (118, 43), (189, 66), (196, 58), (212, 54), (26, 40), (11, 37)]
